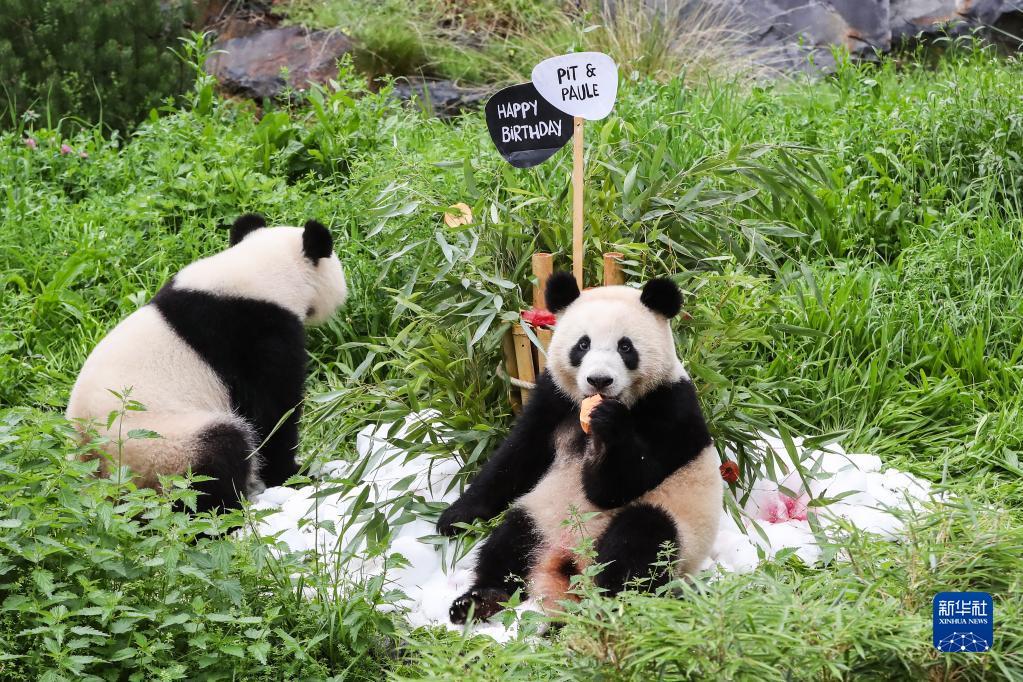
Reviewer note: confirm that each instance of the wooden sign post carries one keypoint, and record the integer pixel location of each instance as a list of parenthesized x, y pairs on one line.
[(583, 85), (529, 123), (577, 201)]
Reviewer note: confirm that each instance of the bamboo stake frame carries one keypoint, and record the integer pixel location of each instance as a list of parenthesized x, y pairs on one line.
[(613, 274), (543, 268), (523, 361)]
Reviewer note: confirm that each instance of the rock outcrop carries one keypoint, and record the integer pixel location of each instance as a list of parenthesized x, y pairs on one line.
[(441, 98), (267, 63), (798, 29), (256, 58)]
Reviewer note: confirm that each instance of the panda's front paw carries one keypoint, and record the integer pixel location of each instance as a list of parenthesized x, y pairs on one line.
[(461, 510), (610, 420), (481, 602)]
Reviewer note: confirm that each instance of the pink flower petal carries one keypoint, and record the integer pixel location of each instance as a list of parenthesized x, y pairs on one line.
[(795, 508), (773, 511)]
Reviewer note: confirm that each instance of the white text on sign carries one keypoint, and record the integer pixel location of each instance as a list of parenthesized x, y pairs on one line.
[(582, 84), (530, 131), (514, 109)]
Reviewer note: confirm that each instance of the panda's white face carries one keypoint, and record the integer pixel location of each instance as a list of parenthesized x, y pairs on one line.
[(329, 289), (293, 267), (608, 342)]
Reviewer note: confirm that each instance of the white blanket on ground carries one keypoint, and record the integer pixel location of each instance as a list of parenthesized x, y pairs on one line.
[(326, 517)]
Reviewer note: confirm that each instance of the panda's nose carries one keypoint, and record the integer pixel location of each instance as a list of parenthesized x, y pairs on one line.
[(598, 382)]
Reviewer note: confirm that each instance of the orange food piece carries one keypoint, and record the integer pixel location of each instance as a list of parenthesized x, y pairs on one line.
[(457, 215), (585, 408)]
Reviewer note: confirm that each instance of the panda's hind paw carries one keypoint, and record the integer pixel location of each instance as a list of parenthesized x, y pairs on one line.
[(481, 602)]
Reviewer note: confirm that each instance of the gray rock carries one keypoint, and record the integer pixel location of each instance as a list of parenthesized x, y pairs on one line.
[(795, 30), (912, 17), (1007, 30), (798, 30), (252, 66), (442, 98), (868, 24), (987, 12)]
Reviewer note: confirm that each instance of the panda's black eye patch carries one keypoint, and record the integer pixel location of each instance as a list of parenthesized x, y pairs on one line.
[(630, 356), (581, 347)]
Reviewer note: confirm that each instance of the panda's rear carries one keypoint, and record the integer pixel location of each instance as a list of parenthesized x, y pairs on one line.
[(217, 363), (143, 361)]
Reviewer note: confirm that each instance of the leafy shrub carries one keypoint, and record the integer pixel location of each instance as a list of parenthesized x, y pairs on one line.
[(103, 581), (103, 62), (925, 139)]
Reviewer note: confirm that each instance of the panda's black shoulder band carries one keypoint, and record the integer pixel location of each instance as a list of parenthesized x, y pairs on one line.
[(245, 224), (561, 291), (316, 241), (662, 296)]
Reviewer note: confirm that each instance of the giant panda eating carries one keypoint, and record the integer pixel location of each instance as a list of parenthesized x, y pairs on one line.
[(643, 481), (218, 362)]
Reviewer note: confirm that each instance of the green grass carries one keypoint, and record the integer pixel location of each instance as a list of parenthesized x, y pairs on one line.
[(850, 249), (474, 42), (499, 41)]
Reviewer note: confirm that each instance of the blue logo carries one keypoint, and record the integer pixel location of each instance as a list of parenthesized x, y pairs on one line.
[(963, 621)]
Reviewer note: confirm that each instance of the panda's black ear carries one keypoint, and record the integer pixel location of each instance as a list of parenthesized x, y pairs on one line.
[(316, 241), (561, 291), (245, 224), (662, 296)]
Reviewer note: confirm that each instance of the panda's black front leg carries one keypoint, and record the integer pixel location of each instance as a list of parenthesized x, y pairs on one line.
[(621, 466), (517, 465), (632, 546), (504, 561)]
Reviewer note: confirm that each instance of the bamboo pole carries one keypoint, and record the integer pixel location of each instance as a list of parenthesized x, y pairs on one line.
[(577, 201), (511, 366), (523, 359), (613, 274), (543, 266), (544, 337)]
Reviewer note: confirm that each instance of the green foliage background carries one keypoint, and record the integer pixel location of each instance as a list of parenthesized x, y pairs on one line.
[(850, 248), (93, 61)]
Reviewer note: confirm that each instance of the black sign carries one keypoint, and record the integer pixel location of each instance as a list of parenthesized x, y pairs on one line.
[(525, 127)]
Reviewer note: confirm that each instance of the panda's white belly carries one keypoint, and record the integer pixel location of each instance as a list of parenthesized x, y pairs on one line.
[(558, 504), (163, 372), (559, 508), (568, 522)]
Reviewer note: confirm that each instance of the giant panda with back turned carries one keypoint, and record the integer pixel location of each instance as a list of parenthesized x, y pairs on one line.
[(645, 475), (217, 359)]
